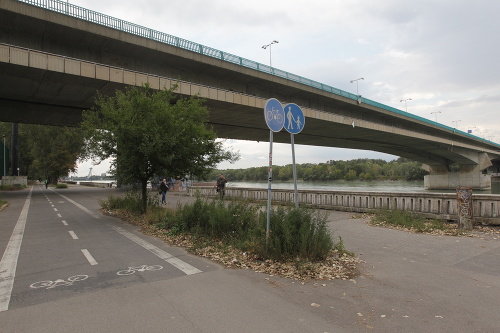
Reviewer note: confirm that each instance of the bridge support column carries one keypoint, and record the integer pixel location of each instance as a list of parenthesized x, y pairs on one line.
[(441, 178)]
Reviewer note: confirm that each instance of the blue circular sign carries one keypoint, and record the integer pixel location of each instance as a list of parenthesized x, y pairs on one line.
[(274, 114), (294, 118)]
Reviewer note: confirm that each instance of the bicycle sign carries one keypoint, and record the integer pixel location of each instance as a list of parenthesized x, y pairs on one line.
[(131, 270), (59, 282), (274, 114)]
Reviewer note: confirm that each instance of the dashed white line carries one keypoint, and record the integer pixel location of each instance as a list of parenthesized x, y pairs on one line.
[(89, 257), (73, 235), (59, 215), (55, 209), (64, 222)]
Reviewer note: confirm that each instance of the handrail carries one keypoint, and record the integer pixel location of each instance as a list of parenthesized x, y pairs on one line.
[(72, 10)]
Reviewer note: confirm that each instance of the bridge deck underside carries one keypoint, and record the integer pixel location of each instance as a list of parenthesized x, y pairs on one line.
[(53, 98)]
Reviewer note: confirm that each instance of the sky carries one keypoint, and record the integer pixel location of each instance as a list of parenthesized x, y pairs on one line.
[(439, 57)]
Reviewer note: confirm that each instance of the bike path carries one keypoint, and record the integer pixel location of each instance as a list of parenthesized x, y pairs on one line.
[(64, 238)]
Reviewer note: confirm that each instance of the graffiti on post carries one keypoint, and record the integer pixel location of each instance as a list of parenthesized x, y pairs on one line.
[(464, 208)]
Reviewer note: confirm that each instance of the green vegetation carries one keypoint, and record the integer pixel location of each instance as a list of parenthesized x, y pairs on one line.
[(2, 202), (358, 169), (48, 152), (296, 235), (11, 187), (150, 133), (61, 185), (411, 221)]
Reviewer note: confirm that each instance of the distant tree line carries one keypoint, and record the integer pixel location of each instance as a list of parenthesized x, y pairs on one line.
[(358, 169)]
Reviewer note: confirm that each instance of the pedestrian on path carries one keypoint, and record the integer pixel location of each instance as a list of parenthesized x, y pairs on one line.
[(163, 191)]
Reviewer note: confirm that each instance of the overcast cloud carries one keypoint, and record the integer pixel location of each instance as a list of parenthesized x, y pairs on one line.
[(443, 54)]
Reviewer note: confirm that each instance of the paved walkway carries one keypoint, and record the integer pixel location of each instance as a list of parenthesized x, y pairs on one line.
[(408, 283), (412, 282)]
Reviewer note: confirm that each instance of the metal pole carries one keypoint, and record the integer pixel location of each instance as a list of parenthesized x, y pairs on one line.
[(4, 164), (269, 180), (296, 196)]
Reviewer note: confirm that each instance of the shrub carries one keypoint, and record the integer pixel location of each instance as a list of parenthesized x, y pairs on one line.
[(61, 185), (296, 234)]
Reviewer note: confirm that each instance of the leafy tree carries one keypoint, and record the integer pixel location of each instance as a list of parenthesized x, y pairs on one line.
[(53, 151), (45, 152), (151, 133)]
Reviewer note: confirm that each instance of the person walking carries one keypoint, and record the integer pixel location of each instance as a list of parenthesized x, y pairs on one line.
[(163, 191), (221, 186)]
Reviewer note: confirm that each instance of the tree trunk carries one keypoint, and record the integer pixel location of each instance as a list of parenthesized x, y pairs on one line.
[(144, 191)]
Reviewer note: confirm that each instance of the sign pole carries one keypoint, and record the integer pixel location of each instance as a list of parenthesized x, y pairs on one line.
[(269, 180), (296, 195), (275, 118)]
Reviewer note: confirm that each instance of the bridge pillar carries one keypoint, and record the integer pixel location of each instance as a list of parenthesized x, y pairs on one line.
[(465, 175)]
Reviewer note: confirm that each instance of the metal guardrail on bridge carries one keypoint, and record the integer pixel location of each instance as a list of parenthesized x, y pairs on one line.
[(69, 9)]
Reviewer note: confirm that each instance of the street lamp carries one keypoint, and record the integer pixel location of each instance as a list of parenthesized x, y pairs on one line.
[(356, 80), (404, 100), (456, 123), (269, 45), (435, 114), (4, 155)]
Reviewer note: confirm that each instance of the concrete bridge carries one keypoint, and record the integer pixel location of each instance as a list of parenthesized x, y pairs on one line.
[(56, 56)]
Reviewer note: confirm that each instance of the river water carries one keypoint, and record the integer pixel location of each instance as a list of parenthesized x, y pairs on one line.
[(372, 186)]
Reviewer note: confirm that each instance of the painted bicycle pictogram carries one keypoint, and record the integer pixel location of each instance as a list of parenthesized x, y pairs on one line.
[(132, 269), (59, 282)]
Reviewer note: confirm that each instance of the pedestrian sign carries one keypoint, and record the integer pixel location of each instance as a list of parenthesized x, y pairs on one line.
[(294, 118)]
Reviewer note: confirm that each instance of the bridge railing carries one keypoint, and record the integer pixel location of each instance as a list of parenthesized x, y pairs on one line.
[(69, 9)]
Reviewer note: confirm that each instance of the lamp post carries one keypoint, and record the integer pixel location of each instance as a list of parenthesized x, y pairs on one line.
[(269, 45), (404, 100), (435, 114), (4, 155), (356, 80), (456, 123)]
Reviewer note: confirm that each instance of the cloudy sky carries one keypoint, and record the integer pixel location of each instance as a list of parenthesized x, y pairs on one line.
[(443, 54)]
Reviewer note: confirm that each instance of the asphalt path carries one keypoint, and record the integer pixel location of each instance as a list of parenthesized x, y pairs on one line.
[(76, 269)]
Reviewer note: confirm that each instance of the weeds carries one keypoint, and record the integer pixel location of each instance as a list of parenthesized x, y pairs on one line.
[(411, 221), (296, 235)]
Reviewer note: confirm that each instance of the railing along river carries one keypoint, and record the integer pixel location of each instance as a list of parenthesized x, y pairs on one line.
[(486, 207)]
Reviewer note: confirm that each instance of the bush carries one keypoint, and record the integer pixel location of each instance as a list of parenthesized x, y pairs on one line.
[(61, 185), (296, 233), (132, 202)]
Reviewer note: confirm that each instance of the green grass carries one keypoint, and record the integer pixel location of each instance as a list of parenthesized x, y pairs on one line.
[(409, 220)]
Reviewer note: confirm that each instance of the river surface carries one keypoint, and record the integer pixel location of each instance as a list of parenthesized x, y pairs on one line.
[(372, 186)]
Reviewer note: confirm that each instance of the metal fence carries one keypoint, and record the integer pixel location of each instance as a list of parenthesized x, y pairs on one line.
[(69, 9)]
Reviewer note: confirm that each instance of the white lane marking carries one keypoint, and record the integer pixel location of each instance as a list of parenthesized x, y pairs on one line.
[(55, 209), (64, 222), (85, 209), (183, 266), (8, 264), (59, 215), (73, 235), (89, 257)]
